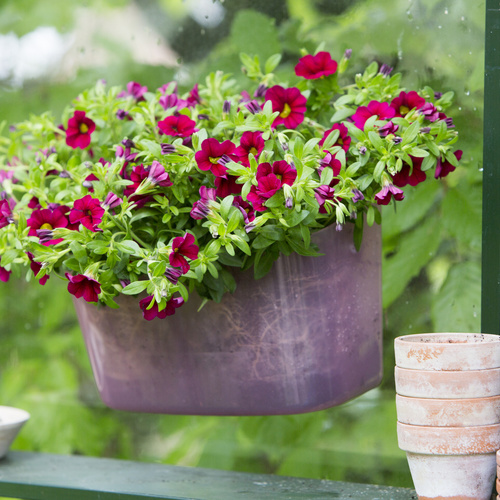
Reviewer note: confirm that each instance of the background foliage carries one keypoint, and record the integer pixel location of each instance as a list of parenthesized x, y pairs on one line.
[(431, 273)]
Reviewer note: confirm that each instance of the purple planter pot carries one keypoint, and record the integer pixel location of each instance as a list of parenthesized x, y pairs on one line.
[(305, 337)]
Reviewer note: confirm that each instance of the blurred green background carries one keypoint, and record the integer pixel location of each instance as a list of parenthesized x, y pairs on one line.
[(52, 50)]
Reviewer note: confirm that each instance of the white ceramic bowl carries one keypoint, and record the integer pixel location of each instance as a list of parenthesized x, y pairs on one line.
[(11, 421)]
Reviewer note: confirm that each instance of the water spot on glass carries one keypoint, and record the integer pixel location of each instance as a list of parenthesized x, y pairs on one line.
[(460, 108), (467, 92), (179, 60), (474, 314), (481, 169), (202, 31), (446, 10), (439, 27), (181, 29), (462, 18), (410, 15)]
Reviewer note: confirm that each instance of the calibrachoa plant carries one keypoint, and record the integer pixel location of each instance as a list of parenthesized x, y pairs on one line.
[(157, 193)]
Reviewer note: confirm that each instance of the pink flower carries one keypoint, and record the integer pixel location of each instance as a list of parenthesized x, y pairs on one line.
[(405, 102), (87, 211), (79, 130), (138, 174), (443, 168), (403, 177), (250, 142), (211, 153), (47, 219), (157, 175), (313, 67), (290, 103), (183, 246), (177, 126), (381, 109), (384, 196), (152, 313), (83, 286), (343, 140)]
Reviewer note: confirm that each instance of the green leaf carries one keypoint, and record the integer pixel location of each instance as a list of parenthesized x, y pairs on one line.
[(78, 251), (241, 244), (129, 247), (152, 147), (272, 62), (376, 141), (410, 133), (264, 261), (225, 206), (457, 306), (135, 287), (399, 269)]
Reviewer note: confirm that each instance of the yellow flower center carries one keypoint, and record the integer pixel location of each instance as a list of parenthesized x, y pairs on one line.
[(403, 110), (286, 110), (83, 128), (46, 225), (214, 160), (253, 150)]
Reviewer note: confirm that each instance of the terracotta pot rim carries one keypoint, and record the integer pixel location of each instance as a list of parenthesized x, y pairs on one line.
[(485, 399), (461, 339), (445, 373)]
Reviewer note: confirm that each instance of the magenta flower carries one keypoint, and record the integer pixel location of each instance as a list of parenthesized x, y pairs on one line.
[(194, 97), (177, 126), (443, 168), (226, 186), (157, 175), (385, 195), (208, 158), (201, 208), (404, 177), (83, 286), (183, 246), (135, 90), (381, 109), (88, 212), (256, 200), (79, 130), (35, 267), (322, 194), (330, 161), (4, 274), (112, 201), (429, 111), (290, 103), (317, 66), (6, 216), (138, 174), (173, 274), (405, 102), (169, 101), (245, 208), (344, 140), (152, 313), (47, 219), (250, 142), (270, 179), (388, 128)]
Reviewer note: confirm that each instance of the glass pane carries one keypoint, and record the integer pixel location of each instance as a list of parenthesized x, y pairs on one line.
[(50, 52)]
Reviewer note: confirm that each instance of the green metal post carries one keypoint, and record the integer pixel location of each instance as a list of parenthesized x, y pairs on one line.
[(490, 299)]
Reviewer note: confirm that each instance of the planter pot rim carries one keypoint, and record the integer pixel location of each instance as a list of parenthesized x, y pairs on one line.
[(432, 384), (10, 416), (448, 351), (431, 440), (448, 412)]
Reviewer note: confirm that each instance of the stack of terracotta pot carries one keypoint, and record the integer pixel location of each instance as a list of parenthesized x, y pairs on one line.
[(498, 474), (448, 406)]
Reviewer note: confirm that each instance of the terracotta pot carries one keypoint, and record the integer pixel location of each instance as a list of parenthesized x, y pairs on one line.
[(451, 462), (448, 412), (305, 337), (447, 384), (448, 351)]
